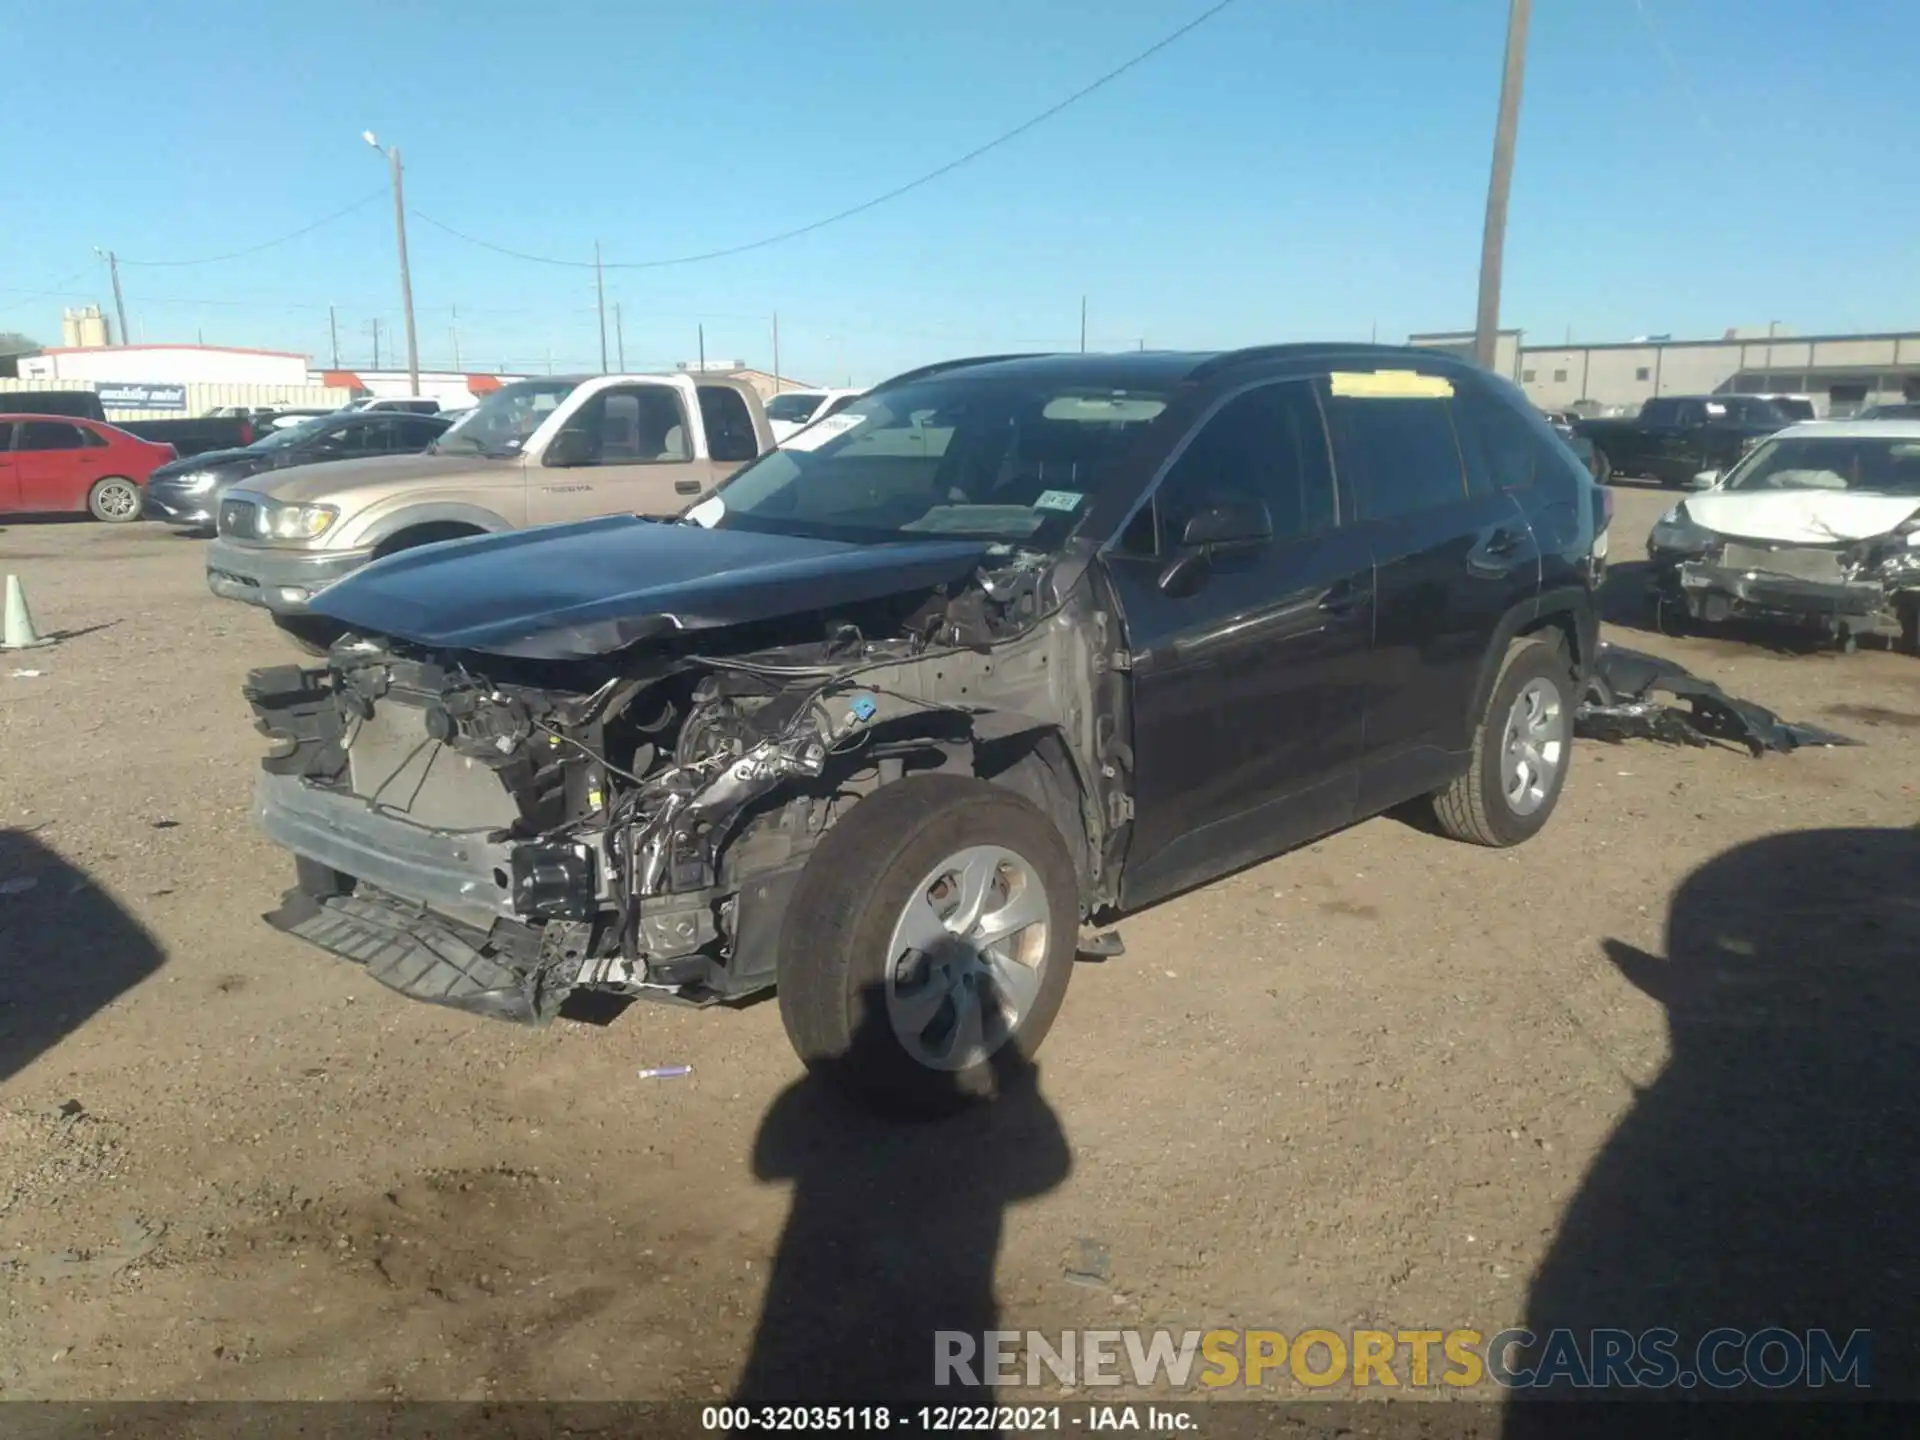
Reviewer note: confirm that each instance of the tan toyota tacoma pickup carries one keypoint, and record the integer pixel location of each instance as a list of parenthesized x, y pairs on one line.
[(535, 452)]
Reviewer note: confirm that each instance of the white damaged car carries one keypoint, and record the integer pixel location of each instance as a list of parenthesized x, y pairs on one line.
[(1817, 526)]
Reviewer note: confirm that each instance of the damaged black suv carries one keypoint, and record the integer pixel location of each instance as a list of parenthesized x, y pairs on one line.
[(1008, 645)]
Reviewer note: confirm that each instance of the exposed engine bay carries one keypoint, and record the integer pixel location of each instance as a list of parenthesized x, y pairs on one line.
[(496, 833)]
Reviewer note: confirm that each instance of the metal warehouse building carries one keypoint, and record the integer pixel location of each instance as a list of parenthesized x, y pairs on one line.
[(1840, 373)]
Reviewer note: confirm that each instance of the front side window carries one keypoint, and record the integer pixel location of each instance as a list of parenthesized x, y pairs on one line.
[(1263, 450), (1398, 452), (49, 435), (639, 425), (1016, 458)]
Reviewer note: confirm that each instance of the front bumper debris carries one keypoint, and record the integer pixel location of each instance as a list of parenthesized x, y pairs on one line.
[(1619, 704), (283, 581)]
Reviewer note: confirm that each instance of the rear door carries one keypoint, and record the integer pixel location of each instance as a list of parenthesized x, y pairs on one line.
[(638, 452), (1248, 676), (55, 465), (9, 474), (1451, 557)]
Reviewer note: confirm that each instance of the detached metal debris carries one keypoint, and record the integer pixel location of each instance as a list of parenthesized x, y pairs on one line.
[(1619, 704)]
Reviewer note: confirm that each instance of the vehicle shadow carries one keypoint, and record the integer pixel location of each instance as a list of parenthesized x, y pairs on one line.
[(67, 950), (1767, 1176), (892, 1234)]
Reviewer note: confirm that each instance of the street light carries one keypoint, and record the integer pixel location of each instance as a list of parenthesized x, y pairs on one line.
[(406, 279)]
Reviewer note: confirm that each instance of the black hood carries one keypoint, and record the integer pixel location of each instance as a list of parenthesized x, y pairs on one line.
[(570, 591), (248, 460)]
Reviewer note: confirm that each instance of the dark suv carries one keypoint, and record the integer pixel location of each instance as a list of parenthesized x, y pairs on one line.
[(1007, 645)]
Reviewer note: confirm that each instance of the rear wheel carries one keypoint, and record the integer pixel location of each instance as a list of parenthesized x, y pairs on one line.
[(116, 500), (1520, 750), (929, 943)]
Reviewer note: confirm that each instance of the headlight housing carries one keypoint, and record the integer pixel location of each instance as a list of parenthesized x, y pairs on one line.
[(296, 522), (194, 481), (1675, 531)]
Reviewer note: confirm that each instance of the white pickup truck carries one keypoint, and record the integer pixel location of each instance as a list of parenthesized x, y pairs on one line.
[(533, 452), (791, 411)]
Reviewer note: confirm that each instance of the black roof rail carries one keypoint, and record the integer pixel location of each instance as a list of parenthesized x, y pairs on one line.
[(1226, 359), (926, 371)]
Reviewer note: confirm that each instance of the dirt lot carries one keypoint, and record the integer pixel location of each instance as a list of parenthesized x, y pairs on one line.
[(1656, 1066)]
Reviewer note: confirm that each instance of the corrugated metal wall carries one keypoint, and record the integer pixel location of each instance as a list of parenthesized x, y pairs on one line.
[(202, 398)]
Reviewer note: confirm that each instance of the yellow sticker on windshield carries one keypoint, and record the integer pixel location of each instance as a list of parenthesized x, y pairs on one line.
[(1390, 385)]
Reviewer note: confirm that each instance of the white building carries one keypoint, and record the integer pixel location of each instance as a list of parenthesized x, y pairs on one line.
[(166, 365)]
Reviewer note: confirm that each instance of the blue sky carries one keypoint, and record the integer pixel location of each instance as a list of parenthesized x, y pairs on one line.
[(1289, 170)]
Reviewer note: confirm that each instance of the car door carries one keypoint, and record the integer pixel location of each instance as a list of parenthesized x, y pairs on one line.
[(629, 449), (1679, 445), (1248, 659), (1450, 559), (54, 465), (9, 475)]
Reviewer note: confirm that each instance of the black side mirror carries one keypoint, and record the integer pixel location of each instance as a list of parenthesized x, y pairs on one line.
[(1218, 527), (569, 447), (1227, 525)]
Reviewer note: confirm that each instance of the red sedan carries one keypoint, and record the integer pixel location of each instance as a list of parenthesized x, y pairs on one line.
[(54, 463)]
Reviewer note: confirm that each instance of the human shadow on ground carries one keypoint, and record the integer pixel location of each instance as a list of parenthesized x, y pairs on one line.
[(892, 1234), (67, 950), (1767, 1177)]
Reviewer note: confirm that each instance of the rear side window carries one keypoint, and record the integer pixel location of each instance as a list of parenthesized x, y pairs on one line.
[(729, 424), (1398, 453), (6, 434), (49, 435), (1266, 448), (1510, 452)]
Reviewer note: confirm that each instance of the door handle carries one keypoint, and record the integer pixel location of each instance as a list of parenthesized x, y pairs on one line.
[(1343, 597), (686, 487)]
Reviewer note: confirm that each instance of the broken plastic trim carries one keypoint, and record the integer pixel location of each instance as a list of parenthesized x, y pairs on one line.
[(1619, 705)]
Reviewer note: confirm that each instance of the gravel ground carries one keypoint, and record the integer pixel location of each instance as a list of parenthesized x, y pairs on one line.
[(1655, 1066)]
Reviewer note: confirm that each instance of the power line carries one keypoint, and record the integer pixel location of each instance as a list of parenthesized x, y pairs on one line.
[(364, 200), (864, 205)]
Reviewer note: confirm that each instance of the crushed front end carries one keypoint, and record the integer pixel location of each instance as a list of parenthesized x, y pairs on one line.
[(1845, 589), (495, 834)]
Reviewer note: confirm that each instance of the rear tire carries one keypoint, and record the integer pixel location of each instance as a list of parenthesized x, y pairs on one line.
[(309, 634), (1521, 750), (115, 500), (873, 1021)]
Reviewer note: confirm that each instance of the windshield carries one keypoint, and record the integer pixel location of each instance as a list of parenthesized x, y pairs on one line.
[(793, 406), (288, 435), (1017, 460), (1871, 464), (500, 424)]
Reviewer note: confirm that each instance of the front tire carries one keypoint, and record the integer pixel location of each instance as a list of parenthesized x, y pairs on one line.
[(929, 943), (1521, 749), (116, 500)]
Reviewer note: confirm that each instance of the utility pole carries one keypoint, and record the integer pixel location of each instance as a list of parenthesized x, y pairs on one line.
[(620, 337), (1486, 332), (119, 301), (776, 352), (333, 335), (1083, 324), (376, 344), (600, 291), (455, 328), (406, 277), (703, 349)]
